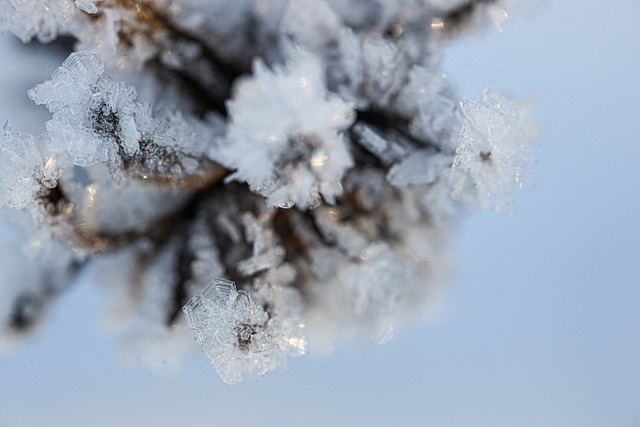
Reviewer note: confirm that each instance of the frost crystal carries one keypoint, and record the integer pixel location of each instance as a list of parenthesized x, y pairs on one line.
[(97, 120), (236, 334), (33, 164), (285, 137), (492, 153), (39, 18)]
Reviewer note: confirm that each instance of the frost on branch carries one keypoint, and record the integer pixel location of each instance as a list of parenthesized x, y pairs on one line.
[(311, 153)]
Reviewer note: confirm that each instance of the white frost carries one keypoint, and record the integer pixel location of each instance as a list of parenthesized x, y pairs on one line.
[(285, 134)]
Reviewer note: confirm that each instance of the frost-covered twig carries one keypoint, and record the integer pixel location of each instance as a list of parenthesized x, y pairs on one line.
[(308, 152)]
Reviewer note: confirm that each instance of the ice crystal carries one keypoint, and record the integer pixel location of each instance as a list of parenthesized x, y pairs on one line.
[(33, 164), (236, 334), (265, 254), (492, 153), (85, 106), (97, 120)]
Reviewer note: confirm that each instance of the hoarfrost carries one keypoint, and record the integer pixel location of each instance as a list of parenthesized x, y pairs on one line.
[(30, 164), (235, 333), (97, 120), (493, 153), (184, 132), (36, 18), (285, 137)]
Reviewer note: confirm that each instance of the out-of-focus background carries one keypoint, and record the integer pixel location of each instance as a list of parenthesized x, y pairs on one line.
[(540, 325)]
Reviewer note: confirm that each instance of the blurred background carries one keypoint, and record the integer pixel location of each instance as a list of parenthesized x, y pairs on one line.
[(539, 325)]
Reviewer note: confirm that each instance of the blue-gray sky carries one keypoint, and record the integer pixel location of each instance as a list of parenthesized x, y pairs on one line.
[(539, 327)]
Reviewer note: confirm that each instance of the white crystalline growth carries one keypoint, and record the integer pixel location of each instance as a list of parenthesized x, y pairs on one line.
[(37, 18), (236, 334), (92, 114), (28, 163), (492, 155), (98, 120), (285, 134), (425, 99)]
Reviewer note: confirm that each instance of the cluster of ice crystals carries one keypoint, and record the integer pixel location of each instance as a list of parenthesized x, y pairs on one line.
[(334, 107), (235, 333), (36, 18), (85, 105), (387, 150), (285, 134), (29, 163), (425, 99), (492, 154), (97, 120)]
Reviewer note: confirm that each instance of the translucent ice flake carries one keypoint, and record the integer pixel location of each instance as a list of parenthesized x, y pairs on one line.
[(493, 152), (286, 322), (230, 329), (285, 137), (30, 166), (238, 336), (88, 6), (266, 252)]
